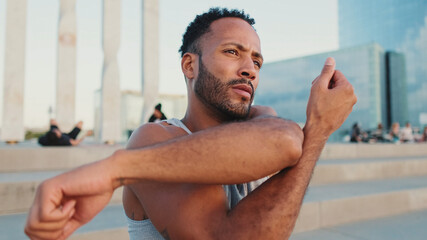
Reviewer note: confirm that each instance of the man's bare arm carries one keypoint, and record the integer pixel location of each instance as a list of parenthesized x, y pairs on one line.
[(232, 153), (63, 203), (64, 220), (279, 199), (270, 212)]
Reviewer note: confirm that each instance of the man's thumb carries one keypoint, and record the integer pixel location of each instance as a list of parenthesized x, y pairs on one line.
[(327, 71)]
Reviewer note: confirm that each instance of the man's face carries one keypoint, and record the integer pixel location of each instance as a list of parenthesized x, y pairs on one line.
[(214, 93), (229, 67)]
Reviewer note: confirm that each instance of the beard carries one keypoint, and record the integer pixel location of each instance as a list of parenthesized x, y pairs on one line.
[(214, 94)]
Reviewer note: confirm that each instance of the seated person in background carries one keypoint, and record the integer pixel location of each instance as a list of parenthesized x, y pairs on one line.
[(356, 133), (424, 135), (54, 137), (406, 135), (158, 115), (378, 134), (394, 133)]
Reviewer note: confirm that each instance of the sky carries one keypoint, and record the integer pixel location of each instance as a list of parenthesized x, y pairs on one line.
[(287, 29)]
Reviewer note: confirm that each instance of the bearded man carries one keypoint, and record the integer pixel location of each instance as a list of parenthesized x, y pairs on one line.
[(227, 170)]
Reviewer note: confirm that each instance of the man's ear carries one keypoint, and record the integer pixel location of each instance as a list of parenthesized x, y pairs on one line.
[(189, 65)]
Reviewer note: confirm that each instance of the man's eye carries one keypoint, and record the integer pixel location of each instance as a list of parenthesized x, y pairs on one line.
[(234, 52), (258, 64)]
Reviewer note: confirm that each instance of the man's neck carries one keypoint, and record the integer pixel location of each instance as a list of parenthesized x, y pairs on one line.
[(199, 117)]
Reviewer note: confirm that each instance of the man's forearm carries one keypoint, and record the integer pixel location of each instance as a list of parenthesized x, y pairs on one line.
[(278, 200), (232, 153)]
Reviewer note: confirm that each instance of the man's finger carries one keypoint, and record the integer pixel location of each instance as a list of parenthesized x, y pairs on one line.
[(58, 213), (327, 72), (45, 234), (69, 228)]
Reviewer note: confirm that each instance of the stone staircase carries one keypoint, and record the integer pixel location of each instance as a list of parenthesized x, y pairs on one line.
[(357, 186), (23, 168), (353, 185)]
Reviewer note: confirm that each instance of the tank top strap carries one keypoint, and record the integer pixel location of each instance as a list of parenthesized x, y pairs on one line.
[(178, 123)]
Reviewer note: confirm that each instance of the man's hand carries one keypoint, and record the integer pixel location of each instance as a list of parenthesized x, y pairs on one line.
[(64, 203), (331, 101)]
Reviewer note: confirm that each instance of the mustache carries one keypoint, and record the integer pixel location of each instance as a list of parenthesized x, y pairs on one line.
[(240, 81)]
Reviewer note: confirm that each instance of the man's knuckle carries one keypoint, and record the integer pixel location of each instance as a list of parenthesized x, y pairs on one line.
[(43, 215), (27, 230), (349, 88)]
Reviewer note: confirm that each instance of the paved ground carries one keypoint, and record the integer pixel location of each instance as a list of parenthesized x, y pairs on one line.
[(12, 226), (409, 226)]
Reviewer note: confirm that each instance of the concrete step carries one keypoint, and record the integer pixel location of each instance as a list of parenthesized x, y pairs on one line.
[(348, 170), (373, 150), (335, 204), (33, 157), (36, 158), (410, 225), (17, 190), (109, 224), (324, 206)]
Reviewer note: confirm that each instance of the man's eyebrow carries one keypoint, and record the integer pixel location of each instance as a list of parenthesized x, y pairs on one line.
[(242, 48)]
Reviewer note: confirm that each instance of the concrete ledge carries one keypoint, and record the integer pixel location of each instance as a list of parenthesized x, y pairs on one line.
[(108, 234), (337, 171), (363, 150), (321, 214), (14, 159), (36, 158), (410, 225), (309, 217), (17, 197), (110, 223)]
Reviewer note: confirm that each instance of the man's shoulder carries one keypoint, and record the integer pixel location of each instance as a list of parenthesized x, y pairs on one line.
[(153, 133)]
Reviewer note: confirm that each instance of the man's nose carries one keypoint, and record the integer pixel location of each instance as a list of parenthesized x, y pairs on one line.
[(247, 70)]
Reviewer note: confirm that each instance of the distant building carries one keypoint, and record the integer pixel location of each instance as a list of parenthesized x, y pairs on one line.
[(396, 25), (378, 79), (396, 89), (173, 106)]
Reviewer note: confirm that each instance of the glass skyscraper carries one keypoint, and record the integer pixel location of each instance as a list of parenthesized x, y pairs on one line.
[(285, 86), (396, 25)]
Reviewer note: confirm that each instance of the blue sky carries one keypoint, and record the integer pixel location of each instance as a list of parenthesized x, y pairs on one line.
[(287, 29)]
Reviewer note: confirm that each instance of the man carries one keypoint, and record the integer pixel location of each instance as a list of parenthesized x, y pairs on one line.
[(54, 137), (173, 178)]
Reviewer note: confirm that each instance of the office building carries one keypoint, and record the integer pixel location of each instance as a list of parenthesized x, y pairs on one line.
[(396, 25), (285, 85)]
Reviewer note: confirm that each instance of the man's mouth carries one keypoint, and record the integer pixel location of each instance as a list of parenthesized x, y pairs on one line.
[(243, 90)]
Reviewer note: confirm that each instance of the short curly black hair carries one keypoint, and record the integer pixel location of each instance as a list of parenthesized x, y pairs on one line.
[(201, 25)]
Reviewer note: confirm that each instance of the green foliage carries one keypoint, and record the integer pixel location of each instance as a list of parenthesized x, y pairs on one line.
[(30, 134)]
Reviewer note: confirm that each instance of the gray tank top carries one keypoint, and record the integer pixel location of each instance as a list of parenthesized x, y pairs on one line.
[(145, 230)]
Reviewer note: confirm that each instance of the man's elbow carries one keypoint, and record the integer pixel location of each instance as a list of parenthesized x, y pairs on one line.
[(292, 138), (297, 143)]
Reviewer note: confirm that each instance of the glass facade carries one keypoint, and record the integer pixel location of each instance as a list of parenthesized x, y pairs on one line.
[(285, 85), (396, 89), (399, 26)]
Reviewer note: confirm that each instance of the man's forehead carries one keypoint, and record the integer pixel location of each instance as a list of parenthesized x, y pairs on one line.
[(232, 29)]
